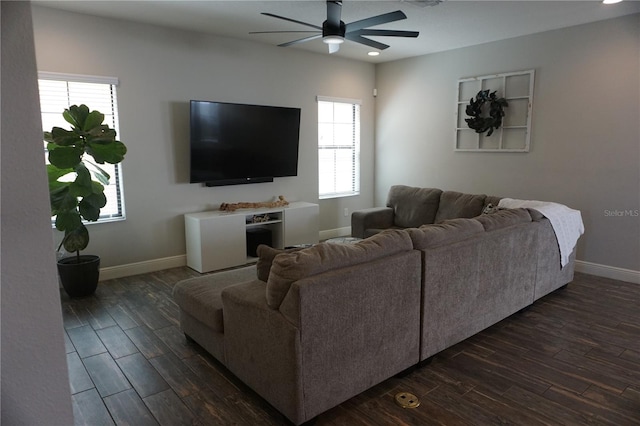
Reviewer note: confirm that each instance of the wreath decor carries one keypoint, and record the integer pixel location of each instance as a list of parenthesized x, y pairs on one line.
[(496, 112)]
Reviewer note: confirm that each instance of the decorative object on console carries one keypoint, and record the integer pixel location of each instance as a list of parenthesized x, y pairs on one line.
[(260, 218), (474, 110), (231, 207)]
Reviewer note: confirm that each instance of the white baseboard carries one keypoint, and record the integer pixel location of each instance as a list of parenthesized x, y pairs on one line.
[(621, 274), (120, 271), (112, 272), (145, 267), (335, 233)]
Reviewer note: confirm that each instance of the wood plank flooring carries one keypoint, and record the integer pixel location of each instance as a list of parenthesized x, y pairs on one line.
[(573, 358)]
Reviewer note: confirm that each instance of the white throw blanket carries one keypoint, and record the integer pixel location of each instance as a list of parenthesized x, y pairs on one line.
[(566, 222)]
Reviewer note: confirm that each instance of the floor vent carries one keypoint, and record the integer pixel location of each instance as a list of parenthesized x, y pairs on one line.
[(407, 400)]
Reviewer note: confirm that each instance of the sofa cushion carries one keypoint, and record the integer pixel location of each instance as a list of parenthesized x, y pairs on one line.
[(455, 205), (290, 267), (201, 298), (266, 254), (413, 207), (536, 216), (504, 218), (448, 232)]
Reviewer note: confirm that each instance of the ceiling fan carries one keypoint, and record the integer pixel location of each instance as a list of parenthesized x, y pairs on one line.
[(333, 31)]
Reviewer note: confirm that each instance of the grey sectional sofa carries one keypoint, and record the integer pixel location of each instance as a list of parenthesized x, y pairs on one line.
[(320, 325), (411, 207)]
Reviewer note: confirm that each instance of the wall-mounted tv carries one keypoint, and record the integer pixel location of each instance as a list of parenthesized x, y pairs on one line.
[(237, 143)]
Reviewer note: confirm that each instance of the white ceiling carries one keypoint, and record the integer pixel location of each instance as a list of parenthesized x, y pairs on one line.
[(449, 25)]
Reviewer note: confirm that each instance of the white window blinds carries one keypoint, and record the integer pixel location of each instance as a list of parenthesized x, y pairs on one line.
[(60, 91), (338, 147)]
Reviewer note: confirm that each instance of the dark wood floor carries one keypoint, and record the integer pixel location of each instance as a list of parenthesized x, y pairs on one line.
[(573, 358)]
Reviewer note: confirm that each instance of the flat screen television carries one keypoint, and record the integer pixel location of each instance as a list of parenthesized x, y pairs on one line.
[(237, 143)]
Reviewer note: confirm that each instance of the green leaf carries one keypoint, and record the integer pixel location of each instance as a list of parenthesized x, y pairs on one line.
[(76, 240), (62, 200), (76, 115), (88, 210), (97, 187), (102, 134), (97, 200), (54, 173), (112, 152), (56, 186), (99, 173), (65, 157), (64, 137), (82, 186), (68, 221), (56, 194), (94, 119)]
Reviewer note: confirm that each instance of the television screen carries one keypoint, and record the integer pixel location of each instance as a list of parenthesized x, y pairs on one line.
[(238, 143)]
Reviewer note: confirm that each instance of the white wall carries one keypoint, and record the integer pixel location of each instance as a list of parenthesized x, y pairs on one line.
[(160, 70), (585, 143), (35, 385)]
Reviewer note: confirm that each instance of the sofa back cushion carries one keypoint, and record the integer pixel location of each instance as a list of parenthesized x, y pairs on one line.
[(448, 232), (412, 206), (455, 205), (293, 266), (504, 218), (266, 254)]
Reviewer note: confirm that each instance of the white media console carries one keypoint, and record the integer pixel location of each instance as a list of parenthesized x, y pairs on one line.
[(217, 239)]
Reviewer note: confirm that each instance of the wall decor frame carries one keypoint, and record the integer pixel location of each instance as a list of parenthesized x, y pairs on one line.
[(515, 133)]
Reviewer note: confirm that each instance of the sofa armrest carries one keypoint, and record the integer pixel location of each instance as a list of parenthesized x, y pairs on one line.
[(376, 218), (358, 325), (262, 348)]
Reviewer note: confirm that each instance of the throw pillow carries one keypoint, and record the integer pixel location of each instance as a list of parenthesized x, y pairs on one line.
[(454, 205), (412, 206), (504, 218), (266, 255)]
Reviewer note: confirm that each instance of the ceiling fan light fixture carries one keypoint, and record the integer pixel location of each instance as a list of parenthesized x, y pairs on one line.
[(333, 39)]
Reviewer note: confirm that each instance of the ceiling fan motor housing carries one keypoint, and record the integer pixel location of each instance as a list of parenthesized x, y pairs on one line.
[(330, 30)]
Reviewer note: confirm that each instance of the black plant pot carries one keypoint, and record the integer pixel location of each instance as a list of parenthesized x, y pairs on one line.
[(79, 279)]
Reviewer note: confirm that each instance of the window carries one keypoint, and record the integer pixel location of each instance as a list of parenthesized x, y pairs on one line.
[(338, 147), (60, 91)]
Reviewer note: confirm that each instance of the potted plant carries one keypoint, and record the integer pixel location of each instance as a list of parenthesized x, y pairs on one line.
[(74, 194)]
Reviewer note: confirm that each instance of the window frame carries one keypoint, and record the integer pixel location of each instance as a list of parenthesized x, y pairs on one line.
[(354, 145), (115, 188)]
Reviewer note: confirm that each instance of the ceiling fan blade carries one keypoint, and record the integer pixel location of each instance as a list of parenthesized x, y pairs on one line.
[(281, 32), (387, 33), (334, 10), (301, 40), (376, 20), (292, 20), (371, 43)]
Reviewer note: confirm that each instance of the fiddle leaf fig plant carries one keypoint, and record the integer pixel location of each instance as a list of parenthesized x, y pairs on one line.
[(76, 183)]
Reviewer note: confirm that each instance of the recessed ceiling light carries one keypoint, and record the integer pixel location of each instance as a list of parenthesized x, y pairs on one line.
[(373, 53), (611, 1)]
